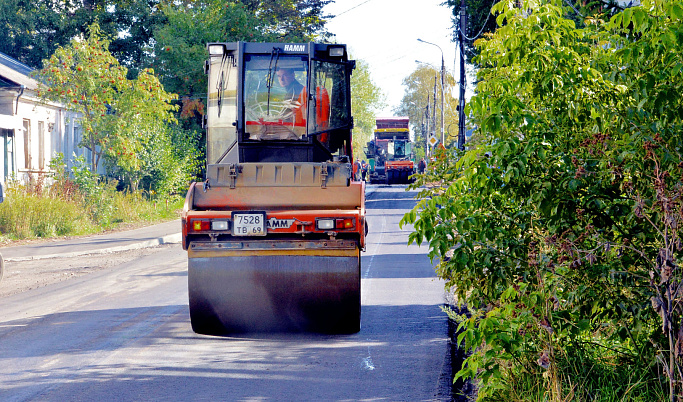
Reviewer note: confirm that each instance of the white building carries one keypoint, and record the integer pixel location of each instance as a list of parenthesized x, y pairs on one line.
[(31, 132)]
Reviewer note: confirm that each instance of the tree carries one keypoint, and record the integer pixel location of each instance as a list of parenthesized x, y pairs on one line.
[(292, 20), (35, 29), (131, 25), (168, 161), (117, 115), (419, 87), (564, 225), (482, 22), (366, 100)]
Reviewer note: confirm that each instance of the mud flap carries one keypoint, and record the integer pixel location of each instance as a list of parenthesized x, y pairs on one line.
[(236, 291)]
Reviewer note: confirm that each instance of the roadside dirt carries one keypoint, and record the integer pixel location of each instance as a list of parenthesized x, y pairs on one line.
[(5, 242), (21, 276)]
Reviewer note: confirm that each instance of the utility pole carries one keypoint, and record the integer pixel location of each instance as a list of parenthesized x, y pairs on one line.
[(434, 109), (461, 101), (427, 127), (423, 130), (443, 83)]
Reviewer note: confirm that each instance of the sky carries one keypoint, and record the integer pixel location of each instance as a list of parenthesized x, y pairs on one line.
[(384, 34)]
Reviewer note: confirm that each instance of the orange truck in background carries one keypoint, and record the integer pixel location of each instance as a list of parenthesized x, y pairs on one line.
[(390, 152)]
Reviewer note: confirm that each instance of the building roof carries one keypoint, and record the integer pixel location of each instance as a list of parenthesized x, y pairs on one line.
[(15, 64), (13, 73)]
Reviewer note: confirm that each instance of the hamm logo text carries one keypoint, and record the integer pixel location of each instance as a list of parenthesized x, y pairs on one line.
[(295, 48)]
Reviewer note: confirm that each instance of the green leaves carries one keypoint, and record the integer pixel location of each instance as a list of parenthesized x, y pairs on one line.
[(554, 225), (118, 116)]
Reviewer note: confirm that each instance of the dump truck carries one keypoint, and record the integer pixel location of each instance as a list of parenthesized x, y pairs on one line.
[(390, 152), (275, 232)]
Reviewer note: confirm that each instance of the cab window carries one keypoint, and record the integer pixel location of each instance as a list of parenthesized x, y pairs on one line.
[(275, 97)]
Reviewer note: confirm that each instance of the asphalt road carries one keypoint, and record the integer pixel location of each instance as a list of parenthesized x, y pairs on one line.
[(123, 333)]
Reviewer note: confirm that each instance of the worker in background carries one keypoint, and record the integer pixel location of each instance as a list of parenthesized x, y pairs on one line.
[(421, 166), (364, 169), (357, 169)]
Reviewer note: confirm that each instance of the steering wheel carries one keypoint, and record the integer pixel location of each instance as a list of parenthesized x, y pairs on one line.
[(279, 110)]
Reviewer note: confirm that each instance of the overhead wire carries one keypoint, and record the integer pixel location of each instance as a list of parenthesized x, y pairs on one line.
[(354, 7), (488, 15), (573, 8)]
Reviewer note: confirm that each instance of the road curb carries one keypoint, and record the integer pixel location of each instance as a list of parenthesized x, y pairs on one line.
[(168, 239)]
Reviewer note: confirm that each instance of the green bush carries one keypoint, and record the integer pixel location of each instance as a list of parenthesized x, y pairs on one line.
[(27, 215), (562, 231), (76, 204), (168, 162)]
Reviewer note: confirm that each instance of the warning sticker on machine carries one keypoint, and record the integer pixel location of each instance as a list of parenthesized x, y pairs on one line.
[(274, 223)]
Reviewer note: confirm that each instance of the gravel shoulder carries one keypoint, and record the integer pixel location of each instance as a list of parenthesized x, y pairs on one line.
[(21, 276)]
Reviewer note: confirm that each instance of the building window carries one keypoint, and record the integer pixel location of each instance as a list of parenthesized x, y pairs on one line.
[(8, 152), (41, 145), (77, 141), (27, 144), (68, 138)]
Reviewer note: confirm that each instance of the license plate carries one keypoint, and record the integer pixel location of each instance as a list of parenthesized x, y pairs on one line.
[(249, 223)]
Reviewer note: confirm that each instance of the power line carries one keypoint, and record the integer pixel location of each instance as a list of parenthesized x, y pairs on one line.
[(489, 15), (573, 8), (354, 7), (482, 27)]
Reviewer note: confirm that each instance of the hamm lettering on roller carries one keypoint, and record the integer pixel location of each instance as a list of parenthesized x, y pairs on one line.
[(273, 223), (295, 48)]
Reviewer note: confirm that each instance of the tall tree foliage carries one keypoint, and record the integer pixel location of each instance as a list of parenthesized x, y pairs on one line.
[(117, 115), (290, 20), (562, 231), (419, 93), (366, 100), (35, 29), (480, 21)]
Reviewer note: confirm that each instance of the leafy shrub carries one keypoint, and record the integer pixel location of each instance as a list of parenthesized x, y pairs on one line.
[(562, 230), (26, 215), (168, 162), (76, 203)]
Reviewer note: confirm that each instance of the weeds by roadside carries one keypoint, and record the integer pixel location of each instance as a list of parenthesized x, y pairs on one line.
[(82, 204)]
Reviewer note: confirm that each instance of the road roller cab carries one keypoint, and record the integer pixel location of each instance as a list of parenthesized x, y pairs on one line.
[(275, 231)]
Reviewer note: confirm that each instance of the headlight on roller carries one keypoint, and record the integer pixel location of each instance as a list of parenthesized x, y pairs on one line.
[(219, 225), (324, 224)]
